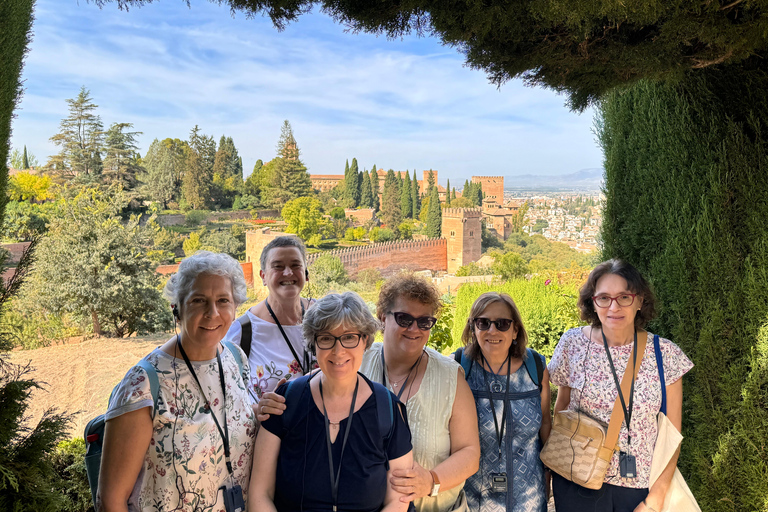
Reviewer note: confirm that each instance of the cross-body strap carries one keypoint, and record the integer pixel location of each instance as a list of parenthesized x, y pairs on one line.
[(246, 335), (660, 364), (614, 426), (466, 363), (154, 383), (534, 367)]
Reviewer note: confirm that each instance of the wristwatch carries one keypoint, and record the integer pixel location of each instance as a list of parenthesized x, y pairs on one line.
[(435, 484)]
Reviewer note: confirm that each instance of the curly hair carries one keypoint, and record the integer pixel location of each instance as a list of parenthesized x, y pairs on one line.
[(516, 350), (347, 309), (636, 283), (410, 287)]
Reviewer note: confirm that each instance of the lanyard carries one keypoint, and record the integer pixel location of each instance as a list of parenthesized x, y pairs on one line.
[(627, 412), (285, 336), (384, 372), (335, 481), (499, 431), (223, 433)]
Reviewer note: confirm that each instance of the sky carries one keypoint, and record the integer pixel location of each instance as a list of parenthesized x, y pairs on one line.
[(409, 103)]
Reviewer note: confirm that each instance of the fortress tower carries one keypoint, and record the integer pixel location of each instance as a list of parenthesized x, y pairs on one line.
[(461, 228), (493, 187)]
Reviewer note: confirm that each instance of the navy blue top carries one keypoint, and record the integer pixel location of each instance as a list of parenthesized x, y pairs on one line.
[(303, 482)]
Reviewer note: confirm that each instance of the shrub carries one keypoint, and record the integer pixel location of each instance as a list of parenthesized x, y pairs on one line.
[(195, 217), (68, 460)]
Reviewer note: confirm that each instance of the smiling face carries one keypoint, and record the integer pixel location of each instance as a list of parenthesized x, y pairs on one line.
[(493, 343), (339, 363), (207, 312), (616, 318), (284, 273), (408, 341)]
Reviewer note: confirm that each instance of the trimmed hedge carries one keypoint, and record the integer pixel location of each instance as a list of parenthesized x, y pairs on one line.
[(687, 203)]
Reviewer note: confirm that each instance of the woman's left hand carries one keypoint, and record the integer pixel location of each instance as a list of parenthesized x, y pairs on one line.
[(650, 504), (414, 483)]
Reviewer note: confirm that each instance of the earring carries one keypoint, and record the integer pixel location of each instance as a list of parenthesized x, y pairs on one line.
[(514, 341)]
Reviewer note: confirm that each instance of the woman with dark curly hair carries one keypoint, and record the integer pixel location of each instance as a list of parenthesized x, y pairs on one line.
[(587, 365)]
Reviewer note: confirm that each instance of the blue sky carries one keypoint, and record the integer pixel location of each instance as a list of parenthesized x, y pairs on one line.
[(400, 104)]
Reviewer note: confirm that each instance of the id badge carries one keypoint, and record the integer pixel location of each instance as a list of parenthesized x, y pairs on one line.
[(627, 465), (499, 482), (233, 498)]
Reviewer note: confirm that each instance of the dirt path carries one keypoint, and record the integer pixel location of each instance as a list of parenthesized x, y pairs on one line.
[(79, 377)]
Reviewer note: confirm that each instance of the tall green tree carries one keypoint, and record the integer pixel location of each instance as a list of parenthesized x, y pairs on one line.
[(164, 166), (390, 201), (227, 174), (304, 217), (366, 194), (434, 225), (120, 166), (355, 183), (448, 193), (431, 182), (25, 162), (406, 204), (415, 197), (375, 203), (81, 139), (198, 177), (252, 184)]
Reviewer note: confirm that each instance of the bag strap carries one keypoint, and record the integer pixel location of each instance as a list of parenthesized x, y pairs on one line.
[(534, 367), (247, 333), (614, 426), (660, 364), (239, 360), (384, 406), (154, 383), (463, 360), (293, 390)]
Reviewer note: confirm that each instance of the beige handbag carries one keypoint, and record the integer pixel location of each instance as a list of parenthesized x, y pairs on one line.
[(679, 497), (579, 448)]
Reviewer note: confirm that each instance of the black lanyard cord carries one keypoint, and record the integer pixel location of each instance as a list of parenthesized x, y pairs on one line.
[(627, 412), (335, 481), (384, 372), (285, 336), (225, 432), (499, 431)]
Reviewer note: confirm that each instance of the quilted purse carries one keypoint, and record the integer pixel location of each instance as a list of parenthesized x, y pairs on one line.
[(579, 447)]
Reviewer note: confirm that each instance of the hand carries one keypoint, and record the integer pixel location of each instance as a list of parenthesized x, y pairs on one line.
[(413, 483), (650, 504), (270, 403), (548, 482)]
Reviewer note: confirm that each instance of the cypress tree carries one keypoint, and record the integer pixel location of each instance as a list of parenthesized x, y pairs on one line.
[(375, 203), (390, 201), (434, 215), (406, 205), (355, 183), (415, 199), (366, 195), (26, 158), (453, 194), (448, 193), (430, 182)]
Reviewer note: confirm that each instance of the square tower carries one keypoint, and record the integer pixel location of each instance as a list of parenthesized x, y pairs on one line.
[(493, 187), (461, 228)]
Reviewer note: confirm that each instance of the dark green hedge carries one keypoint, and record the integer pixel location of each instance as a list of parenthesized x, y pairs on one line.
[(687, 203)]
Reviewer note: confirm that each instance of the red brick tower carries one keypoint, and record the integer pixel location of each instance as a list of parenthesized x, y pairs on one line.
[(493, 187), (461, 228)]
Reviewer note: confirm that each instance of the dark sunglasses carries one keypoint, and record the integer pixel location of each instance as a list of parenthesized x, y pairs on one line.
[(502, 324), (405, 320)]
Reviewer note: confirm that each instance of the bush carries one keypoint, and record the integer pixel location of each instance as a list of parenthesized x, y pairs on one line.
[(473, 269), (195, 217), (326, 273), (379, 235), (338, 213), (72, 483)]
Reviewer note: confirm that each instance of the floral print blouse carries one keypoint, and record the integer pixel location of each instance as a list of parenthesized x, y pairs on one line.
[(583, 366), (185, 441)]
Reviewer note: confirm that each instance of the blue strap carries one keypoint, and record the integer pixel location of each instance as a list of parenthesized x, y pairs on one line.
[(384, 406), (463, 360), (239, 360), (660, 365), (154, 383), (534, 366)]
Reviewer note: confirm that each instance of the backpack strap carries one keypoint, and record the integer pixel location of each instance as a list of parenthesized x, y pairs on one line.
[(246, 334), (660, 365), (534, 366), (463, 360), (154, 383), (384, 411), (236, 353), (293, 390)]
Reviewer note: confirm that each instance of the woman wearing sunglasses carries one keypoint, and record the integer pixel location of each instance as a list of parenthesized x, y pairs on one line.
[(512, 403), (617, 302)]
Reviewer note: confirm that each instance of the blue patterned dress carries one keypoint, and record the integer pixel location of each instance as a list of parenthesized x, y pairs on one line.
[(520, 445)]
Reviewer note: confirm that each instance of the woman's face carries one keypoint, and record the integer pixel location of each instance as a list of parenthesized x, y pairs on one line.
[(340, 363), (284, 273), (408, 341), (615, 317), (495, 344), (208, 310)]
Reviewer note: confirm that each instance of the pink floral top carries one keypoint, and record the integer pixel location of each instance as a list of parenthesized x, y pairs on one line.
[(583, 366)]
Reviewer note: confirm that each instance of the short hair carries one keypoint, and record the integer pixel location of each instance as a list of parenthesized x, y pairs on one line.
[(282, 241), (636, 283), (407, 286), (180, 284), (516, 350), (347, 309)]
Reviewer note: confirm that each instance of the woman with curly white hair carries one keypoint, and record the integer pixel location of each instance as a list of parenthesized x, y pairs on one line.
[(186, 442)]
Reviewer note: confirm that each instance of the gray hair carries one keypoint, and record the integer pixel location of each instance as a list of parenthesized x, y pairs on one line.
[(283, 241), (180, 284), (334, 310)]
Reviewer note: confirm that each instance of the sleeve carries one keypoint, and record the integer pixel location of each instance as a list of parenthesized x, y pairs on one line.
[(274, 424), (400, 442), (560, 366), (676, 363), (234, 333), (133, 393)]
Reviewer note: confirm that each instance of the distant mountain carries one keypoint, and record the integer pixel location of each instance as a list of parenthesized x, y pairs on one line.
[(584, 179)]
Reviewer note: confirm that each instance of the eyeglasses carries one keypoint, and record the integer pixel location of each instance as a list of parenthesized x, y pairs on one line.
[(502, 324), (405, 320), (623, 300), (327, 342)]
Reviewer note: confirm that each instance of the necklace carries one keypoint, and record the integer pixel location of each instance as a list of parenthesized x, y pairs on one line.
[(407, 378)]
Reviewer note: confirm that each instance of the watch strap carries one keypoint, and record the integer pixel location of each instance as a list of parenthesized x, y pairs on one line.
[(435, 483)]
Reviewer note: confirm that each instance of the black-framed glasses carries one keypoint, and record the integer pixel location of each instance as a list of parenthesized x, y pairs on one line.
[(347, 340), (623, 300), (502, 324), (405, 320)]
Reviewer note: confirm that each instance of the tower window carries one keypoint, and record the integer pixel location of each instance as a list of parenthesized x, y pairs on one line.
[(453, 233), (471, 233)]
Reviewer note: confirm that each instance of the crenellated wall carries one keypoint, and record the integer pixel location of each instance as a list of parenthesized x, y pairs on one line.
[(391, 257)]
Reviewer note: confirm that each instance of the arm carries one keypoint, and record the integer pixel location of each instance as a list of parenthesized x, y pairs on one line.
[(655, 499), (261, 490), (464, 460), (126, 441), (546, 400), (391, 501), (563, 398)]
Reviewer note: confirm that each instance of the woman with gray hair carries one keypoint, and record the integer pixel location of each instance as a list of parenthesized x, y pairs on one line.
[(341, 436), (180, 428)]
